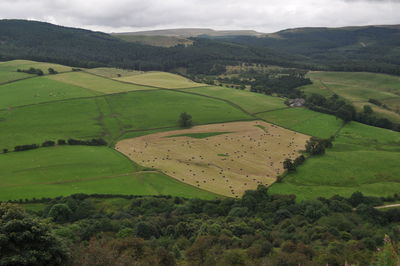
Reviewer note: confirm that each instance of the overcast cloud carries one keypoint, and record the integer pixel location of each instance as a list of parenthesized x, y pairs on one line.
[(261, 15)]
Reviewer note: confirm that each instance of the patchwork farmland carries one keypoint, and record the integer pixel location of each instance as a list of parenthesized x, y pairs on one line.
[(239, 139)]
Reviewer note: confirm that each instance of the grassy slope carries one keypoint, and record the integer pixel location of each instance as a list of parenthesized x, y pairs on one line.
[(154, 109), (96, 83), (249, 101), (111, 72), (161, 80), (363, 159), (36, 90), (108, 116), (358, 88), (304, 121), (12, 66), (50, 172), (37, 123)]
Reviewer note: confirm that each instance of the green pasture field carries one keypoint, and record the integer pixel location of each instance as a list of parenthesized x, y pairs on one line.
[(161, 79), (304, 121), (358, 88), (154, 109), (95, 83), (51, 121), (6, 76), (109, 116), (65, 170), (12, 66), (249, 101), (111, 72), (363, 158), (36, 90)]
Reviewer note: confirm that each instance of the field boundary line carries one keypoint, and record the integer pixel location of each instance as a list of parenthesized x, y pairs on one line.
[(149, 86), (272, 110), (33, 76), (215, 98)]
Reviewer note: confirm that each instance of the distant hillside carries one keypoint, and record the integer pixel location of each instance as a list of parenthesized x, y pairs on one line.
[(156, 40), (369, 48), (173, 37), (22, 39), (194, 32)]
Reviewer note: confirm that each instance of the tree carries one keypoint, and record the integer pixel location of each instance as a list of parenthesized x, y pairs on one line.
[(27, 241), (299, 160), (185, 120), (368, 109), (52, 71), (60, 212), (289, 165), (346, 112), (315, 146)]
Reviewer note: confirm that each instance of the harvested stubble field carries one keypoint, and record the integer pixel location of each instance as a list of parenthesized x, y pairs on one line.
[(246, 155)]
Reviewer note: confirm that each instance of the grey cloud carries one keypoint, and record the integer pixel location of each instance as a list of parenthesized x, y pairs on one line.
[(262, 15)]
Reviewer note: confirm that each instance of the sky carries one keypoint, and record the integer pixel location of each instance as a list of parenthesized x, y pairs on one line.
[(261, 15)]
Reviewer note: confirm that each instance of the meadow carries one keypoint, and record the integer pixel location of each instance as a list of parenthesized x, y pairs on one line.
[(160, 80), (37, 90), (50, 121), (14, 65), (304, 121), (249, 101), (96, 83), (154, 109), (111, 72), (65, 170), (358, 88), (363, 158), (85, 105)]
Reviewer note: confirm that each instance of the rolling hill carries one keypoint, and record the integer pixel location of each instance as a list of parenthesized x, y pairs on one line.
[(120, 105)]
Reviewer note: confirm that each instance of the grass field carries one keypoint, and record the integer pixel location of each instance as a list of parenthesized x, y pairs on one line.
[(246, 155), (12, 66), (111, 72), (363, 159), (51, 172), (154, 109), (37, 90), (358, 88), (161, 80), (304, 121), (37, 123), (249, 101), (108, 116), (96, 83)]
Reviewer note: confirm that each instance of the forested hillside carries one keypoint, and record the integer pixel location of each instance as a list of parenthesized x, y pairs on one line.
[(373, 49), (76, 47), (370, 48)]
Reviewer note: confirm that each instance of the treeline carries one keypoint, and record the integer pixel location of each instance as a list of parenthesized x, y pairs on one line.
[(282, 82), (33, 71), (334, 105), (374, 48), (258, 229), (50, 143)]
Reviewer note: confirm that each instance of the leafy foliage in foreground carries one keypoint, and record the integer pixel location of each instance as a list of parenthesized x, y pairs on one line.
[(259, 229)]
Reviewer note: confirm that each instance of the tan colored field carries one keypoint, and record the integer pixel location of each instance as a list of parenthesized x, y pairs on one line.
[(162, 80), (245, 155)]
